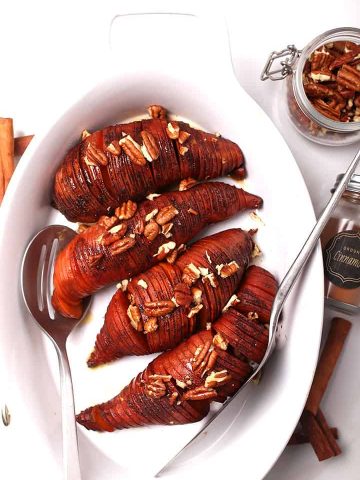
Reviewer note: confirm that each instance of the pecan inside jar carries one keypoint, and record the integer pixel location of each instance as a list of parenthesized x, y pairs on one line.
[(331, 80)]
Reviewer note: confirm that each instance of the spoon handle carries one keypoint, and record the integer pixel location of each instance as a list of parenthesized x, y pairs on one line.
[(69, 432)]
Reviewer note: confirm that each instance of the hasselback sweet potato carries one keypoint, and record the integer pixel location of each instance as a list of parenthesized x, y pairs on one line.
[(167, 303), (137, 237), (179, 385), (128, 161)]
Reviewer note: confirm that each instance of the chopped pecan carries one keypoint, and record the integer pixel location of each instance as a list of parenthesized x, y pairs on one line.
[(200, 393), (187, 183), (210, 278), (183, 150), (114, 234), (183, 295), (195, 310), (149, 148), (151, 325), (349, 77), (139, 226), (134, 314), (220, 342), (84, 134), (164, 249), (183, 137), (82, 227), (173, 130), (215, 379), (228, 269), (197, 295), (166, 214), (166, 230), (159, 308), (190, 274), (126, 210), (114, 147), (157, 111), (192, 211), (142, 283), (132, 150), (171, 258), (151, 215), (122, 245), (232, 301), (95, 155), (151, 230)]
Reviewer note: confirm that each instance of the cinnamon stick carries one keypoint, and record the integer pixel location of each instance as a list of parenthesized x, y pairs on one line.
[(299, 438), (21, 144), (333, 346), (320, 435), (6, 153)]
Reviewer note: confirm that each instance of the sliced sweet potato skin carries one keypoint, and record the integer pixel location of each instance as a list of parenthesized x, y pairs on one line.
[(179, 385), (95, 178)]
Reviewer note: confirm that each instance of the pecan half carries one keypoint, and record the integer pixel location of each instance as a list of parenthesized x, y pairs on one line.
[(126, 210), (182, 294), (187, 183), (149, 147), (122, 245), (173, 130), (349, 77), (326, 110), (95, 155), (159, 308), (166, 214), (197, 295), (183, 150), (157, 111), (133, 150), (151, 230), (200, 393)]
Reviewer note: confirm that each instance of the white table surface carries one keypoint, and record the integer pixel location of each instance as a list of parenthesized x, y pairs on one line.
[(46, 48)]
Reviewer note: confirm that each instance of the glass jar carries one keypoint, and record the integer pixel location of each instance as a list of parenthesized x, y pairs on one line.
[(340, 242), (302, 114)]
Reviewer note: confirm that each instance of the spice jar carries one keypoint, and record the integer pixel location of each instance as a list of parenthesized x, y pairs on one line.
[(337, 91), (340, 242)]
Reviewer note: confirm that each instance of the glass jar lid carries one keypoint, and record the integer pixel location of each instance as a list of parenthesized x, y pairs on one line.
[(352, 186)]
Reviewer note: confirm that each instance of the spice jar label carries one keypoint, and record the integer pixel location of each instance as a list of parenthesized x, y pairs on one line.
[(342, 259)]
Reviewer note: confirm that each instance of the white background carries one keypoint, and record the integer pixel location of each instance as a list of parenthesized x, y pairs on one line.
[(51, 52)]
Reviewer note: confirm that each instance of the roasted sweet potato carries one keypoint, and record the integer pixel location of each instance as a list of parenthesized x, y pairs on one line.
[(137, 237), (169, 302), (179, 385), (128, 161)]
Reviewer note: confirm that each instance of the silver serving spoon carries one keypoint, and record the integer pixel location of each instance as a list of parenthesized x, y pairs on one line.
[(36, 285), (282, 294)]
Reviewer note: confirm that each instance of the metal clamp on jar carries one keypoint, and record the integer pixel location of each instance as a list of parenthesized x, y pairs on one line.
[(322, 85)]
